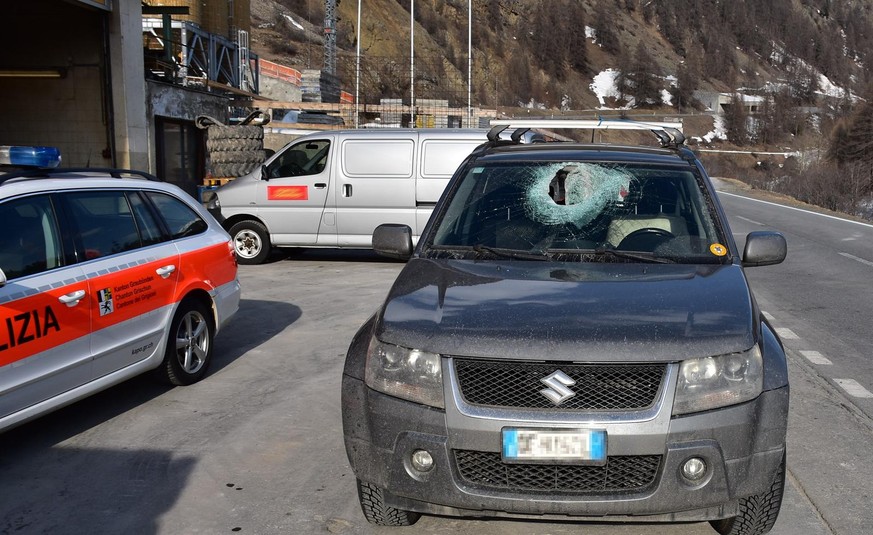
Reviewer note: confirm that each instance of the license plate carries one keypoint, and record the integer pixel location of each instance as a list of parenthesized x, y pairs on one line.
[(584, 446)]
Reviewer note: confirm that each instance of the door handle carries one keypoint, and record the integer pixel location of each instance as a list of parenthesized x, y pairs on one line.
[(320, 185), (166, 271), (72, 299), (347, 190)]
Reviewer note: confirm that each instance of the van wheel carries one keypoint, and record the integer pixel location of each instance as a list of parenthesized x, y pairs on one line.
[(251, 241), (189, 346), (374, 508), (757, 513)]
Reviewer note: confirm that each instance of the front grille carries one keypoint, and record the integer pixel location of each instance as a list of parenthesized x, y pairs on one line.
[(615, 387), (620, 474)]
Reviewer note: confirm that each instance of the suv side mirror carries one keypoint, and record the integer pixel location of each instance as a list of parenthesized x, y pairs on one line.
[(393, 240), (764, 248)]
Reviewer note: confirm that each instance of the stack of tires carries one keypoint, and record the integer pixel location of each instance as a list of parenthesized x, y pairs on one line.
[(234, 150)]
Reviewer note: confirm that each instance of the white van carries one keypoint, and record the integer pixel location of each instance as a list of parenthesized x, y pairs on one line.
[(332, 189)]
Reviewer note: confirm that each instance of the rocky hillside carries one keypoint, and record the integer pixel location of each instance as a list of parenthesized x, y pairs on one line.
[(548, 52)]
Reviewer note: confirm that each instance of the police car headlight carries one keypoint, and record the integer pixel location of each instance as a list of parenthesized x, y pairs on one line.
[(713, 382), (409, 374)]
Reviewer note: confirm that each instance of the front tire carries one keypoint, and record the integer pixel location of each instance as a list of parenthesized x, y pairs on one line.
[(377, 512), (251, 242), (189, 347), (757, 514)]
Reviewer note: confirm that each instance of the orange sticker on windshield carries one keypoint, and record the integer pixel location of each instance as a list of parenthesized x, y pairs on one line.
[(718, 249)]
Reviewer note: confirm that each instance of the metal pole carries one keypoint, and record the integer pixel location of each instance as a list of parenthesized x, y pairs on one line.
[(358, 68), (412, 62), (469, 62)]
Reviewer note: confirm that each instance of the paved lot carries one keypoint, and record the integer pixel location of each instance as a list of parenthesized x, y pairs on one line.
[(257, 446)]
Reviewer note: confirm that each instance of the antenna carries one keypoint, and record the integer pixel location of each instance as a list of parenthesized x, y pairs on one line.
[(330, 37)]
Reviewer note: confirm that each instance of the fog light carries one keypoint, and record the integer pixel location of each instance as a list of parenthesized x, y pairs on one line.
[(422, 460), (694, 469)]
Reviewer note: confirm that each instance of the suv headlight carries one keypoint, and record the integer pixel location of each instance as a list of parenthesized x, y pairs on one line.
[(713, 382), (409, 374)]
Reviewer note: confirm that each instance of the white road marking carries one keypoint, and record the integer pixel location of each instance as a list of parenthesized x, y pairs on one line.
[(747, 220), (796, 209), (816, 358), (853, 388), (768, 315), (855, 258), (787, 334)]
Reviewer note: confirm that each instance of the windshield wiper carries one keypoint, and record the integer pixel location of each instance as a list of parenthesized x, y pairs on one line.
[(510, 253), (632, 255)]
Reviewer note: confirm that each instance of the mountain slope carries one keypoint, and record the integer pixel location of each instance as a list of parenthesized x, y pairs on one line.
[(550, 50)]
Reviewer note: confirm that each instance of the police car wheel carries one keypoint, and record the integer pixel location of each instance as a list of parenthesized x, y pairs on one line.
[(251, 241), (189, 347)]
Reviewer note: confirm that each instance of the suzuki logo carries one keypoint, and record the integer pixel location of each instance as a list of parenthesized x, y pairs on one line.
[(557, 391)]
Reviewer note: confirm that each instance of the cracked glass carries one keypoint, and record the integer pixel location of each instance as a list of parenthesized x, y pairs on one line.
[(579, 211)]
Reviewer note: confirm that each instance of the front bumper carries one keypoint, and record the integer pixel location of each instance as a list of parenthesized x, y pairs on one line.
[(743, 446)]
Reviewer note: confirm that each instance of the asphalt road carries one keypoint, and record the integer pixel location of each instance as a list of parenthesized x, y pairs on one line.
[(257, 446)]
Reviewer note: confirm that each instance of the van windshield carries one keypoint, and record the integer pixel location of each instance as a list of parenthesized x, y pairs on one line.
[(305, 158), (580, 210)]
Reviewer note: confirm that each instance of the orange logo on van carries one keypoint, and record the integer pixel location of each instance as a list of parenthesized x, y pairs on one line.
[(287, 193)]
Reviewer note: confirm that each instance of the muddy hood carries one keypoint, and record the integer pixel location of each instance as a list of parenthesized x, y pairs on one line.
[(569, 311)]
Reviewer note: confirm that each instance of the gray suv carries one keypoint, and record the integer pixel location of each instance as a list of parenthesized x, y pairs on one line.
[(574, 336)]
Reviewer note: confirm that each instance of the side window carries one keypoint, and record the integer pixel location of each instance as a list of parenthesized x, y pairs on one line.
[(305, 158), (374, 158), (29, 238), (180, 218), (149, 228), (104, 222)]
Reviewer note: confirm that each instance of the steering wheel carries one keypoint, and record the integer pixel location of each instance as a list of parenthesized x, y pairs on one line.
[(645, 239), (289, 169)]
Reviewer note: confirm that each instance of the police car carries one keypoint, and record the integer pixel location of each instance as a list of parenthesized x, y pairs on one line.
[(103, 277)]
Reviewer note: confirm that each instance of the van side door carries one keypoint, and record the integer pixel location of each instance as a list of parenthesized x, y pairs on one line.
[(291, 198), (375, 185), (439, 159)]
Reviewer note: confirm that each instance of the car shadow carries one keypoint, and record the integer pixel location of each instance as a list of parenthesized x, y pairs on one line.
[(330, 255), (255, 323), (91, 490)]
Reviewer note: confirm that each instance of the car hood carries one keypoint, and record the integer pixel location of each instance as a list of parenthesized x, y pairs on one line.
[(569, 311)]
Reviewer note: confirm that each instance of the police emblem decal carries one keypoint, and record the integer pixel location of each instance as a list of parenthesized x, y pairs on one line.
[(104, 299)]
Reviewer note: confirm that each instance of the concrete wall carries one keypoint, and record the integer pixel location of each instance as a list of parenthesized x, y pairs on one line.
[(280, 90), (128, 107), (217, 16), (176, 102), (70, 112)]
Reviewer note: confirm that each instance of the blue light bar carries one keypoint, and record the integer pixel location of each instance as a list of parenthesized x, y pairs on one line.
[(48, 157)]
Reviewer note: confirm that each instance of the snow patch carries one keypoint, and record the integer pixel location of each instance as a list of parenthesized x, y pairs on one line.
[(604, 87), (828, 88), (294, 22), (591, 33), (666, 97), (718, 131)]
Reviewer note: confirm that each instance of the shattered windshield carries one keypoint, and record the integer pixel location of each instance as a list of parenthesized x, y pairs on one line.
[(579, 211)]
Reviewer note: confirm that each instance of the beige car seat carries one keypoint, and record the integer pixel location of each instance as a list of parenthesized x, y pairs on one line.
[(657, 207)]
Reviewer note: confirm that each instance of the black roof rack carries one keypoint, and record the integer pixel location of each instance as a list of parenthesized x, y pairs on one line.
[(669, 134), (76, 172)]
